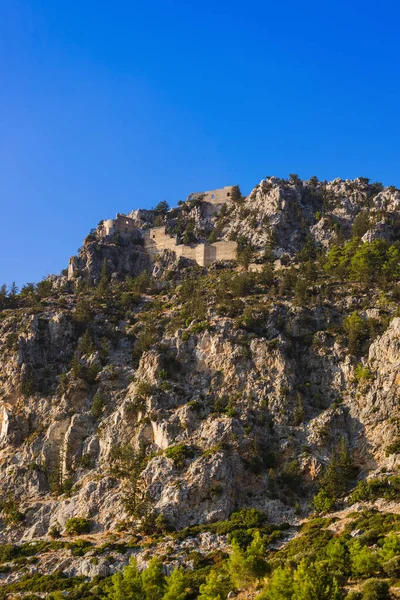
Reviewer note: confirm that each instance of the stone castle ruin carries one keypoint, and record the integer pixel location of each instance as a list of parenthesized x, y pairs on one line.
[(122, 224), (156, 239)]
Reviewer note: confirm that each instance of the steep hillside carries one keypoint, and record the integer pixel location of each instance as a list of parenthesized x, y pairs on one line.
[(153, 407)]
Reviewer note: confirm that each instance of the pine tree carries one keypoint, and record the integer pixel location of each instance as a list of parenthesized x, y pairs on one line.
[(356, 330), (105, 278), (177, 585), (127, 585), (245, 566), (216, 586), (86, 345), (153, 580), (279, 586), (310, 583), (76, 367), (3, 296)]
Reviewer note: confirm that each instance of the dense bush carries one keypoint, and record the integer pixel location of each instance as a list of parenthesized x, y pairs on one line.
[(375, 589), (77, 526), (179, 453), (386, 487)]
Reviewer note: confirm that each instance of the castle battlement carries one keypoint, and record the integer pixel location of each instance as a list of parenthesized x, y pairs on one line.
[(122, 224), (156, 239), (219, 196)]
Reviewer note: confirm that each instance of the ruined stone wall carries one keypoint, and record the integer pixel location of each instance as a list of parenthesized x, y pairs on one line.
[(220, 251), (121, 224), (219, 196), (216, 196), (156, 240)]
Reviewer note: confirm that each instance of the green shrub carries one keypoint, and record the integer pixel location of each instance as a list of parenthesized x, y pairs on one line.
[(10, 510), (393, 448), (144, 388), (387, 488), (41, 583), (364, 562), (362, 373), (375, 589), (77, 526), (98, 404), (356, 331), (392, 567), (323, 502), (216, 586), (245, 566), (176, 585), (179, 453)]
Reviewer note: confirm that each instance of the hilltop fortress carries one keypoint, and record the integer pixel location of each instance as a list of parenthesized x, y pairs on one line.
[(156, 239)]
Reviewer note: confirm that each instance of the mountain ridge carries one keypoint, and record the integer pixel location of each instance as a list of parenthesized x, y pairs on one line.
[(143, 393)]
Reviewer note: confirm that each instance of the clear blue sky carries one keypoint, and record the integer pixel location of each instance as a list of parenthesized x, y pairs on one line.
[(109, 106)]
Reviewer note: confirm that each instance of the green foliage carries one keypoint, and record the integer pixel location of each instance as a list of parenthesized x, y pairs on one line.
[(44, 288), (364, 562), (83, 313), (336, 478), (141, 284), (392, 567), (361, 224), (176, 585), (307, 582), (145, 339), (153, 580), (366, 263), (375, 589), (362, 373), (216, 586), (105, 278), (128, 465), (212, 238), (236, 194), (338, 558), (162, 208), (179, 453), (127, 585), (40, 583), (300, 291), (11, 515), (279, 586), (393, 448), (247, 565), (143, 388), (28, 382), (245, 251), (237, 284), (323, 502), (254, 318), (390, 547), (356, 331), (98, 403), (86, 344), (77, 526), (299, 413), (387, 488)]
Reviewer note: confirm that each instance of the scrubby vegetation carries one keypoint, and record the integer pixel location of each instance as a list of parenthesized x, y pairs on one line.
[(136, 366)]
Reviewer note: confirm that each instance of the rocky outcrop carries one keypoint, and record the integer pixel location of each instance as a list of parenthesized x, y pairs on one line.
[(123, 257), (237, 398)]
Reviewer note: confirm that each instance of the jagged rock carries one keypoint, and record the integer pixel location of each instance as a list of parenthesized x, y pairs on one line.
[(240, 403)]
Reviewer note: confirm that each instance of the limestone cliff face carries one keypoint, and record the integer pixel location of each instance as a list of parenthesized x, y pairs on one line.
[(237, 406), (122, 256)]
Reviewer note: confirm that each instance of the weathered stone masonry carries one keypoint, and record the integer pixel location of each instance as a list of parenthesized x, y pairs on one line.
[(156, 240)]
